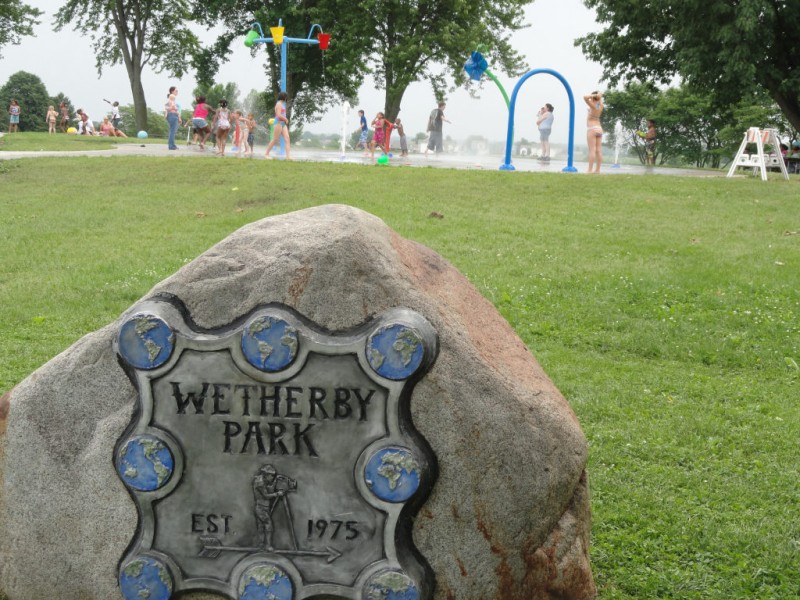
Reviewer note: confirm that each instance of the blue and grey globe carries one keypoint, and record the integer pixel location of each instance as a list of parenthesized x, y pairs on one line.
[(265, 582), (395, 352), (390, 585), (393, 474), (145, 463), (145, 578), (146, 341), (269, 343)]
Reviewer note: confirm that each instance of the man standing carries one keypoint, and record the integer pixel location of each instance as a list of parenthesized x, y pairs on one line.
[(544, 121), (267, 496), (435, 128)]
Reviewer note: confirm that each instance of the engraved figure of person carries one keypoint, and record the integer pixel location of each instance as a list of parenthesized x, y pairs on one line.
[(267, 497)]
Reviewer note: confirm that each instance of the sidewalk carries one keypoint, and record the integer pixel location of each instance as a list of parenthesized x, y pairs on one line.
[(483, 162)]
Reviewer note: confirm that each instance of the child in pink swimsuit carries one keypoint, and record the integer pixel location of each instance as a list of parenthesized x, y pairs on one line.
[(378, 124)]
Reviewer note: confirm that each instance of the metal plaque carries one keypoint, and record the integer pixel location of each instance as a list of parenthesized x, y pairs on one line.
[(273, 460)]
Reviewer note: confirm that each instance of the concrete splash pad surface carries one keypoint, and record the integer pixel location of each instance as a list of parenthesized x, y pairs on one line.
[(482, 162)]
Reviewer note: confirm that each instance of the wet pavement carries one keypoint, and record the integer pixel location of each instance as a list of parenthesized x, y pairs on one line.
[(485, 162)]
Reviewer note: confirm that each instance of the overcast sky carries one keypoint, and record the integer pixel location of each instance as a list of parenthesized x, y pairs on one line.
[(65, 62)]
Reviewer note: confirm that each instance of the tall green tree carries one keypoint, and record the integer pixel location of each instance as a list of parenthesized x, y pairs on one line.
[(140, 34), (315, 79), (32, 96), (16, 20), (412, 41), (692, 127), (400, 42), (725, 47)]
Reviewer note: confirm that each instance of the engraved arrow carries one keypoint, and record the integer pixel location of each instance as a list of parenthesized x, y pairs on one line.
[(212, 548)]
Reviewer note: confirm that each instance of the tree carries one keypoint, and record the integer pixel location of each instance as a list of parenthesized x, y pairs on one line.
[(410, 41), (315, 78), (721, 47), (32, 96), (216, 92), (16, 20), (400, 42), (137, 33), (692, 127)]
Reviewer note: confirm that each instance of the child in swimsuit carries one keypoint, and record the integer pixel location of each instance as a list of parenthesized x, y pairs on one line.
[(223, 122), (281, 124), (377, 139)]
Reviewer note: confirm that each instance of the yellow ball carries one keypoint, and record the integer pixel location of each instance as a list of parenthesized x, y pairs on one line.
[(271, 121), (72, 131)]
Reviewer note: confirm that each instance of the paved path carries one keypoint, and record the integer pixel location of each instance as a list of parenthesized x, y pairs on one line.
[(486, 162)]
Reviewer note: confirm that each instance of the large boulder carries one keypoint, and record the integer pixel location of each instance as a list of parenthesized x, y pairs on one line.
[(507, 518)]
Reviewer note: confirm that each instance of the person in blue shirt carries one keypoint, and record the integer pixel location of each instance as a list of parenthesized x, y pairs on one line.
[(362, 140), (544, 121)]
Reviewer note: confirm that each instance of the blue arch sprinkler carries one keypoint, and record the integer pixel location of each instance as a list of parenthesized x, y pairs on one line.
[(507, 166), (256, 36)]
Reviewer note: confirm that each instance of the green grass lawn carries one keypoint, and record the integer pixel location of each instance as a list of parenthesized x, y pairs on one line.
[(59, 142), (667, 310)]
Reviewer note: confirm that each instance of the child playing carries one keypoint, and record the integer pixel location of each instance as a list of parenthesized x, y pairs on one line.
[(362, 139), (223, 122), (116, 119), (281, 125), (50, 119), (379, 124), (64, 109), (238, 141), (250, 123), (14, 111)]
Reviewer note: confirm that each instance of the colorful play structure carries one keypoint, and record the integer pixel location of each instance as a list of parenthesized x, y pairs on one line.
[(256, 36), (476, 66)]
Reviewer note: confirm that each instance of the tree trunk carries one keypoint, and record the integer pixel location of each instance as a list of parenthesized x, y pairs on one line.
[(139, 102), (789, 105)]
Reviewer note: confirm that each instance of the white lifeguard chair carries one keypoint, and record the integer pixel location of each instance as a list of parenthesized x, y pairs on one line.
[(759, 137)]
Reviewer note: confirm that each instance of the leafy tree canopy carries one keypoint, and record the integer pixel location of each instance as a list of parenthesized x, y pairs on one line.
[(32, 96), (430, 40), (16, 20), (138, 33), (692, 127), (316, 79), (720, 46), (400, 42)]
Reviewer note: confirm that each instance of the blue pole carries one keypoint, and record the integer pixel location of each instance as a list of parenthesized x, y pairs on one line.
[(507, 166), (284, 56)]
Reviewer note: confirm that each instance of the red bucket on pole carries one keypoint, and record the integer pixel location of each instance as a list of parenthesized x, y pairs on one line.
[(324, 40)]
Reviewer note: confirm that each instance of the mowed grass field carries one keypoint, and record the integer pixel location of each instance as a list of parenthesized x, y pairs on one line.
[(666, 310)]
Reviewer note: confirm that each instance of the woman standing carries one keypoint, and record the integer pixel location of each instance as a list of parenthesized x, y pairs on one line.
[(173, 115), (14, 111), (594, 130)]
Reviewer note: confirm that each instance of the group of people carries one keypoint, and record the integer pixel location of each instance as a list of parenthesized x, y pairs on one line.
[(222, 122), (382, 134), (594, 132), (111, 126), (383, 129)]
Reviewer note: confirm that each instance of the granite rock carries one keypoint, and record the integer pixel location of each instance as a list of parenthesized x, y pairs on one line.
[(508, 517)]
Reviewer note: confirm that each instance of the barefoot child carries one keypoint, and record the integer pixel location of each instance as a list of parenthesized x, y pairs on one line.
[(281, 125), (378, 123), (251, 133), (50, 119), (223, 122)]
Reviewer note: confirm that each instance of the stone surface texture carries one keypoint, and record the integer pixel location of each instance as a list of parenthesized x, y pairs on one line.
[(509, 515)]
